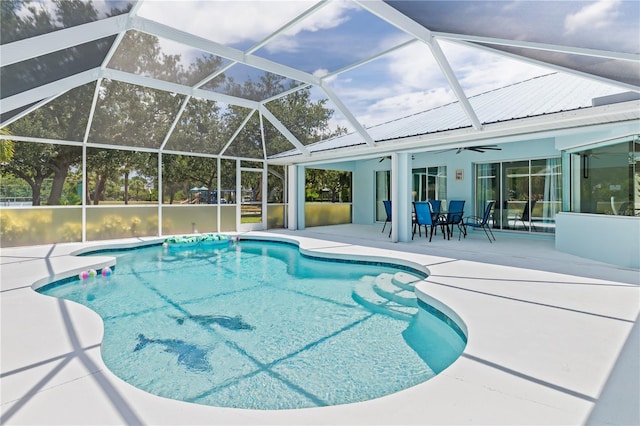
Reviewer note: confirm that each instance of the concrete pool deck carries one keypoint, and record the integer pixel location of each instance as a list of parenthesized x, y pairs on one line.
[(552, 339)]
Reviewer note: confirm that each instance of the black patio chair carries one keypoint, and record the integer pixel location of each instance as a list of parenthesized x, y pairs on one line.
[(480, 222), (452, 218), (525, 216)]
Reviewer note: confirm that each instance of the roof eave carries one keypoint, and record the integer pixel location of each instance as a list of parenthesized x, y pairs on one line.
[(501, 132)]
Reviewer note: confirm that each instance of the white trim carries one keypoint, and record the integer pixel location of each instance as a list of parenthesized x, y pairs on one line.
[(446, 69), (599, 142), (551, 125), (398, 19), (598, 53), (262, 138), (168, 86), (313, 9), (238, 130), (31, 109), (369, 59), (551, 66), (283, 129), (170, 33), (50, 89), (176, 120), (41, 45), (92, 110), (286, 93)]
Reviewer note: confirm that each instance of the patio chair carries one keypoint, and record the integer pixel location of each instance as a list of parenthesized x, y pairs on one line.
[(387, 209), (436, 205), (424, 216), (525, 216), (624, 209), (454, 215), (480, 222)]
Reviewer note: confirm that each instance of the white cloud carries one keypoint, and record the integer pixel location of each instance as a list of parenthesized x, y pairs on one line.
[(321, 72), (410, 81), (330, 16), (479, 71), (225, 22), (414, 67), (600, 14), (405, 104)]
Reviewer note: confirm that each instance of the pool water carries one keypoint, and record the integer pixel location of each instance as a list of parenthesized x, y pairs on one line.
[(257, 325)]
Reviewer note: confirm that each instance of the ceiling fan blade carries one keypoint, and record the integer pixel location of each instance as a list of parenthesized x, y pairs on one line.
[(479, 148)]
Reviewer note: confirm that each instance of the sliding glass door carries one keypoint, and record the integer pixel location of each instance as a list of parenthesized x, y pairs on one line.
[(528, 193)]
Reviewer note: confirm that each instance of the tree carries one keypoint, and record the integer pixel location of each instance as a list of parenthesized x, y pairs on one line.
[(7, 147), (30, 163), (141, 117), (338, 182), (65, 119), (137, 184), (102, 165)]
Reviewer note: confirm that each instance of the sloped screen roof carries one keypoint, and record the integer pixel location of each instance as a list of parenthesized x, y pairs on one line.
[(195, 76), (610, 26)]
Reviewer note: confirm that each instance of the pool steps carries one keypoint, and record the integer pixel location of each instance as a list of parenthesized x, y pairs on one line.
[(405, 280), (389, 294)]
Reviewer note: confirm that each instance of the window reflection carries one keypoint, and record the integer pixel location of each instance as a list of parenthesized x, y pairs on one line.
[(528, 193), (606, 180), (430, 183)]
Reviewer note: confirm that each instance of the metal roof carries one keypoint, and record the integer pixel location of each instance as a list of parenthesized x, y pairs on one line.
[(548, 94)]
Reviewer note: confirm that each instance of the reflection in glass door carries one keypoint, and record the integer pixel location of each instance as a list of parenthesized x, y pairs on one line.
[(516, 207), (528, 194), (430, 183), (383, 192), (250, 196)]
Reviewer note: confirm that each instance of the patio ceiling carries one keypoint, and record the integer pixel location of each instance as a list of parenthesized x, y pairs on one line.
[(370, 61)]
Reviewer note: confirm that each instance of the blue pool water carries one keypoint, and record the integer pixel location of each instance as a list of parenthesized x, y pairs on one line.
[(257, 325)]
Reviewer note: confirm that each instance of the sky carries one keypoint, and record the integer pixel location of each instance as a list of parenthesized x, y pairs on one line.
[(407, 80)]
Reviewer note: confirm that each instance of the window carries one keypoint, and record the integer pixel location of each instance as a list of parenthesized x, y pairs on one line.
[(430, 183), (606, 179), (528, 193)]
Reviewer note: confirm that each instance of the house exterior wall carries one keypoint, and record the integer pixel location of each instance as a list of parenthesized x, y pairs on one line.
[(611, 239), (365, 171), (605, 238)]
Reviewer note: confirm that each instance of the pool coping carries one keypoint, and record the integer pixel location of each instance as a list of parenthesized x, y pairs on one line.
[(557, 374)]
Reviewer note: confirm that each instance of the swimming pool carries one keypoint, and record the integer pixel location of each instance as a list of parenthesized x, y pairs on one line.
[(257, 325)]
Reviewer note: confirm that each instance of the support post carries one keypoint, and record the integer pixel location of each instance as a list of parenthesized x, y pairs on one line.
[(292, 200), (401, 196)]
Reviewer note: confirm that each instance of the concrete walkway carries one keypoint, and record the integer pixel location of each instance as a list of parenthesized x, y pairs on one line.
[(552, 339)]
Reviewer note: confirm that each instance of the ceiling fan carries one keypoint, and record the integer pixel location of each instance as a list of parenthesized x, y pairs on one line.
[(388, 157), (479, 148)]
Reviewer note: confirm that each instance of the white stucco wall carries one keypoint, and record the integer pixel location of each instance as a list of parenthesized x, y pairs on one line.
[(606, 238)]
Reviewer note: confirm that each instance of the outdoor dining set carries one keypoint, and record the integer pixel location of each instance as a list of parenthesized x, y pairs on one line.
[(431, 216)]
